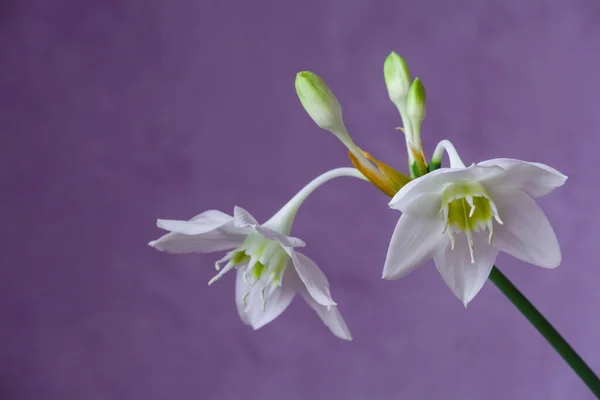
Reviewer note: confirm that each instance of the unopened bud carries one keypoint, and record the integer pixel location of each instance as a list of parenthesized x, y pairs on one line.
[(397, 78), (415, 102), (319, 102)]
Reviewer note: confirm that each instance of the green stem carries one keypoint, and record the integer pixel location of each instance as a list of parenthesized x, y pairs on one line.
[(547, 330)]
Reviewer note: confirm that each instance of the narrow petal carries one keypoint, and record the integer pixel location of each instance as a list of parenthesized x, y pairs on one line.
[(286, 241), (202, 223), (313, 278), (533, 178), (435, 182), (415, 240), (526, 234), (330, 316), (257, 308), (205, 233), (463, 277), (242, 218)]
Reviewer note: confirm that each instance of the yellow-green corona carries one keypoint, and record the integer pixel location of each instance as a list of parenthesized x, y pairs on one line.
[(467, 207)]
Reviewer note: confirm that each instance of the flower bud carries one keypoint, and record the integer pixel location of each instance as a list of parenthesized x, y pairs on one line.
[(319, 102), (397, 78), (415, 102)]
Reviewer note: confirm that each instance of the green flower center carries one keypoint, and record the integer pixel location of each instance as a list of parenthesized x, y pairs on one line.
[(263, 261), (467, 207)]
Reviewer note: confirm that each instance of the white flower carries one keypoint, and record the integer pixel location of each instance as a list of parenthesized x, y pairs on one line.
[(269, 270), (463, 217)]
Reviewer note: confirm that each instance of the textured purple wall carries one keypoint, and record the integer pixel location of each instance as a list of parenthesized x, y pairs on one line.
[(114, 113)]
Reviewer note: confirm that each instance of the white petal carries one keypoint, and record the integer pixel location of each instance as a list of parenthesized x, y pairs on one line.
[(205, 233), (427, 205), (534, 178), (435, 182), (330, 316), (201, 223), (313, 278), (415, 240), (286, 241), (242, 218), (526, 233), (249, 301), (464, 278)]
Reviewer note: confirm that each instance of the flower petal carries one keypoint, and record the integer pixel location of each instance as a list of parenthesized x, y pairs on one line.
[(252, 309), (533, 178), (434, 182), (415, 240), (242, 218), (313, 278), (464, 278), (286, 241), (526, 234), (330, 316), (205, 233), (201, 223)]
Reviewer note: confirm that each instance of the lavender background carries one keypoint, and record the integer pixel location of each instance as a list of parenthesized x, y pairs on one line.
[(114, 113)]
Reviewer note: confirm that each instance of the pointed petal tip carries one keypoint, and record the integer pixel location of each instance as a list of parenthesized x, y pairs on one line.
[(155, 244), (387, 276), (347, 338)]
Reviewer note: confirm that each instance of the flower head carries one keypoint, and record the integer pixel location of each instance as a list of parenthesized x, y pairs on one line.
[(269, 270), (463, 217)]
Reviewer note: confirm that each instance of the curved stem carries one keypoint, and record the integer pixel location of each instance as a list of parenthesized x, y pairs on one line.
[(283, 219), (547, 330), (448, 147)]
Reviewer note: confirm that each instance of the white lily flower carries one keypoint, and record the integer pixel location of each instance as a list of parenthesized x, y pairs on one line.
[(262, 254), (462, 217)]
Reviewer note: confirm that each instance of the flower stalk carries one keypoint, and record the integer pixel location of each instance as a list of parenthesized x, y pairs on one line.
[(546, 329)]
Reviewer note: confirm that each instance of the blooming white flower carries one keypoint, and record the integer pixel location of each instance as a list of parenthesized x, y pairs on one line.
[(263, 255), (463, 217)]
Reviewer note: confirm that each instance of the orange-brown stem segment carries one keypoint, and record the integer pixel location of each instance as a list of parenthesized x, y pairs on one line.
[(389, 181)]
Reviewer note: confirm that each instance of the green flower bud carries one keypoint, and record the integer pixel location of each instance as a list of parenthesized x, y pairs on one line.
[(319, 102), (415, 102), (397, 78)]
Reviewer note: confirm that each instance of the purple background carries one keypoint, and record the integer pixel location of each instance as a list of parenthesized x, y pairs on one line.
[(114, 113)]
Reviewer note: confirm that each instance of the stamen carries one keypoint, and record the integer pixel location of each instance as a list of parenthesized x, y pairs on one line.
[(245, 276), (471, 245), (227, 257), (245, 299), (225, 270), (452, 240), (490, 226), (495, 211), (262, 298), (470, 201), (469, 235)]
